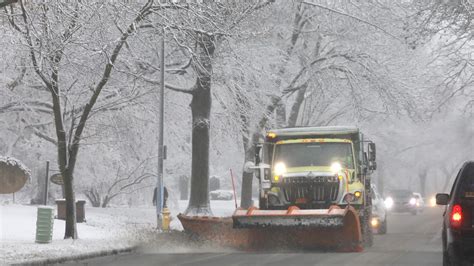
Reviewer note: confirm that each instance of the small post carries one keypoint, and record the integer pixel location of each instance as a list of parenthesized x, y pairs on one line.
[(46, 181)]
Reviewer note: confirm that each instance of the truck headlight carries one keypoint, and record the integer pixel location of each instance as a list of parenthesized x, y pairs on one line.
[(280, 169), (412, 201), (336, 167)]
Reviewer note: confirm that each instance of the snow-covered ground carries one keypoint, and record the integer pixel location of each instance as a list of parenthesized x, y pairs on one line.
[(104, 229)]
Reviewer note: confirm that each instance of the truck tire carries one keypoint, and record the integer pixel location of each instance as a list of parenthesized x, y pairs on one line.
[(262, 204)]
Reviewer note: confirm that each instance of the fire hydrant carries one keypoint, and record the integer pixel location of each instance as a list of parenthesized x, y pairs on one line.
[(166, 219)]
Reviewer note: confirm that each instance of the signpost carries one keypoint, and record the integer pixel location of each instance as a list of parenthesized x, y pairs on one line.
[(45, 200)]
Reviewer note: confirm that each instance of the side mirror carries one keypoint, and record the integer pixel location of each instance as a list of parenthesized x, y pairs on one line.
[(442, 199), (348, 198), (249, 167), (372, 152)]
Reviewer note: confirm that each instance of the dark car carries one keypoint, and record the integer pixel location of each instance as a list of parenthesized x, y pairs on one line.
[(401, 200), (458, 219)]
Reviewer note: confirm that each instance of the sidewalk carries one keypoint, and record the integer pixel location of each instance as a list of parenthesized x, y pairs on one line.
[(106, 231)]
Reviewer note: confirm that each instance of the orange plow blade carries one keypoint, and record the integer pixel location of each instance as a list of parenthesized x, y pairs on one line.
[(254, 229)]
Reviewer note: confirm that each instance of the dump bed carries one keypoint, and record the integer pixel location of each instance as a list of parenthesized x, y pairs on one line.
[(351, 133)]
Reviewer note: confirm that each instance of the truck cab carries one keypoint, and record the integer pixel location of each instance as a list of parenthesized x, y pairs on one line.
[(314, 168)]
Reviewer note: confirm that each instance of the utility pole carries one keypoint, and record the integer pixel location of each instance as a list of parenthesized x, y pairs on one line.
[(159, 183)]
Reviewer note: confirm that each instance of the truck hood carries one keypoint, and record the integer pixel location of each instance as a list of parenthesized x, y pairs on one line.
[(322, 169), (326, 170)]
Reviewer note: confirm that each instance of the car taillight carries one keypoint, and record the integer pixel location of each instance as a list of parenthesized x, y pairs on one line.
[(456, 216)]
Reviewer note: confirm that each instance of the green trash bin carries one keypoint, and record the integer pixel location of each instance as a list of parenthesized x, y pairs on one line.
[(44, 224)]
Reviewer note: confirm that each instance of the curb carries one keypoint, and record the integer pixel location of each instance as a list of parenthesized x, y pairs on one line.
[(79, 257)]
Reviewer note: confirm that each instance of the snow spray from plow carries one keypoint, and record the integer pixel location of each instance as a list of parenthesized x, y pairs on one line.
[(255, 229)]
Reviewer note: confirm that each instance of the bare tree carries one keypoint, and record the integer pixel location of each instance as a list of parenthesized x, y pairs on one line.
[(448, 26), (198, 30), (125, 182), (48, 47)]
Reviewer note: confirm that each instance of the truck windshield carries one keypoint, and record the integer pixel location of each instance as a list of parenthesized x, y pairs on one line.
[(314, 154)]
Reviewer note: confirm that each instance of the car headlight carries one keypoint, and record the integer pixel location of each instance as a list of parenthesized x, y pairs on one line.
[(412, 201), (374, 222), (433, 202), (388, 203)]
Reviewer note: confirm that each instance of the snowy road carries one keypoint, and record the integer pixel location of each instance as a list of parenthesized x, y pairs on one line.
[(412, 240)]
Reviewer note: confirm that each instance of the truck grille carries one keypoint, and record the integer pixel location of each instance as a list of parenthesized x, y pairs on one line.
[(313, 189)]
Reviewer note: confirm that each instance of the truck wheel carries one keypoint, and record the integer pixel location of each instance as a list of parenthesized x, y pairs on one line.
[(262, 204)]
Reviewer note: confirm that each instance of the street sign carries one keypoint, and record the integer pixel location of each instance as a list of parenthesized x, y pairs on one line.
[(57, 179)]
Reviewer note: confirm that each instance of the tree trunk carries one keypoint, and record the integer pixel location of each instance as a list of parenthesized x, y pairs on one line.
[(93, 195), (280, 115), (247, 179), (448, 175), (295, 109), (66, 160), (201, 110), (422, 175), (71, 227), (38, 199), (106, 201), (380, 178)]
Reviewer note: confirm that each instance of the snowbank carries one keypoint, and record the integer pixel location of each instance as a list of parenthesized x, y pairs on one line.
[(104, 229)]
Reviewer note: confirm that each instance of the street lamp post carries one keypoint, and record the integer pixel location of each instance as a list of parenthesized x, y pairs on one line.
[(161, 151)]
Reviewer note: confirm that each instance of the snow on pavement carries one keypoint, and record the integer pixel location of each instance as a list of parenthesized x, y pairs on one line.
[(104, 229)]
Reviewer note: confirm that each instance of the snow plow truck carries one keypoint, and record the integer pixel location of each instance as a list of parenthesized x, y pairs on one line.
[(314, 189)]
